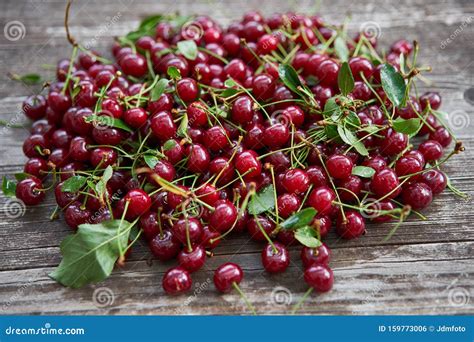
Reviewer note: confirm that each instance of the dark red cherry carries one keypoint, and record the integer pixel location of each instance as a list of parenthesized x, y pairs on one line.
[(36, 167), (295, 181), (435, 179), (176, 281), (417, 195), (352, 226), (135, 117), (319, 277), (139, 203), (164, 246), (242, 110), (187, 89), (315, 256), (30, 191), (287, 204), (163, 126), (247, 164), (226, 276), (255, 226), (322, 199), (103, 156), (431, 150), (133, 65), (192, 260), (34, 107), (385, 183), (184, 227), (275, 258), (75, 215), (198, 158), (339, 166), (223, 217), (276, 135)]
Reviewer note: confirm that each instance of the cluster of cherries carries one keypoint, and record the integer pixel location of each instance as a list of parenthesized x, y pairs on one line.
[(202, 181)]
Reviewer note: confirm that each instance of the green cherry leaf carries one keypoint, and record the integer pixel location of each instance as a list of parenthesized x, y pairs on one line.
[(393, 84), (407, 126), (188, 49), (345, 79), (73, 184), (8, 187), (300, 219), (262, 201), (307, 237), (159, 89), (363, 171)]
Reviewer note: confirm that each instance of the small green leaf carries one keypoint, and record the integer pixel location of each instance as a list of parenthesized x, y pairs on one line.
[(341, 49), (363, 171), (90, 254), (101, 186), (106, 120), (393, 84), (349, 138), (307, 237), (407, 126), (169, 144), (188, 49), (300, 219), (289, 77), (20, 176), (28, 79), (73, 184), (159, 89), (8, 187), (262, 202), (183, 127), (229, 92), (146, 28), (151, 160), (174, 73), (229, 83), (345, 79)]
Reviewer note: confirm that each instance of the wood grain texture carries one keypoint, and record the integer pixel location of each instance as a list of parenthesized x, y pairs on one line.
[(426, 268)]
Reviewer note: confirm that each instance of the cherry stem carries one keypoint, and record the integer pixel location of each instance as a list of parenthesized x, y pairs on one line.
[(301, 301), (244, 297)]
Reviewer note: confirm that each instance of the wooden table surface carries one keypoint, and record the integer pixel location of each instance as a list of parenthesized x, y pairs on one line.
[(426, 268)]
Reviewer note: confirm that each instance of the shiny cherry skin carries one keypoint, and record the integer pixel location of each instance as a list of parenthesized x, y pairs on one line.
[(133, 65), (192, 260), (352, 227), (164, 246), (417, 195), (34, 143), (435, 179), (315, 256), (30, 191), (394, 143), (177, 281), (255, 226), (339, 166), (192, 225), (319, 277), (287, 205), (431, 150), (223, 217), (103, 156), (432, 98), (322, 199), (295, 181), (139, 203), (36, 167), (226, 276), (385, 183), (276, 135), (198, 158), (75, 215), (216, 139), (34, 107), (197, 114), (242, 110), (135, 117), (247, 164), (187, 89), (442, 136), (275, 261), (163, 126), (263, 87)]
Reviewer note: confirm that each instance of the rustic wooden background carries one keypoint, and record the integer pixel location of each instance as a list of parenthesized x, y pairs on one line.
[(426, 268)]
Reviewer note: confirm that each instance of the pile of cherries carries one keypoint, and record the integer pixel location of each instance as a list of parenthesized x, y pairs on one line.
[(207, 169)]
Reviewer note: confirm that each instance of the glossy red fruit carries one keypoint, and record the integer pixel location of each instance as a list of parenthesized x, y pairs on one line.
[(176, 281), (295, 181), (75, 215), (322, 199), (247, 164), (315, 256), (255, 225), (352, 226), (139, 203), (417, 195), (435, 179), (223, 217), (287, 205), (187, 89), (198, 158), (275, 258), (431, 150), (34, 107), (184, 227), (339, 166), (164, 246), (226, 276), (319, 277), (30, 191), (192, 260), (242, 110), (385, 183), (162, 126)]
